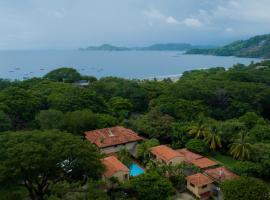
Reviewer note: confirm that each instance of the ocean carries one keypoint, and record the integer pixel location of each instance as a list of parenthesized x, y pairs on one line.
[(127, 64)]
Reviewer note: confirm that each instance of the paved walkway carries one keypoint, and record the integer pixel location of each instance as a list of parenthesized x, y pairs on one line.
[(184, 196)]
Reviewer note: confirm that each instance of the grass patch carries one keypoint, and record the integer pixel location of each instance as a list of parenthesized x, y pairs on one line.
[(224, 160)]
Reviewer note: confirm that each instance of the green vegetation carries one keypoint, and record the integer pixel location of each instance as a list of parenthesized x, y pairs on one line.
[(152, 186), (245, 189), (221, 113), (38, 160), (255, 47)]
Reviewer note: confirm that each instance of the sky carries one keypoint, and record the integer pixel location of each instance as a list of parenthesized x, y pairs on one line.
[(70, 24)]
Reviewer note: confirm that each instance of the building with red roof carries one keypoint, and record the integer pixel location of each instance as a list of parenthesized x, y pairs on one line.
[(167, 155), (115, 168), (203, 163), (200, 185), (111, 140), (189, 155), (220, 174)]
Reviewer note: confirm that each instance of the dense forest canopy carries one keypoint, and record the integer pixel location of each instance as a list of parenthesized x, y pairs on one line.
[(213, 111)]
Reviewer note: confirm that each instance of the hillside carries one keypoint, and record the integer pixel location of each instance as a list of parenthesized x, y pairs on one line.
[(154, 47), (104, 47), (255, 47)]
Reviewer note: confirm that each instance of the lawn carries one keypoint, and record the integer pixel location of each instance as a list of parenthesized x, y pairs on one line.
[(224, 160)]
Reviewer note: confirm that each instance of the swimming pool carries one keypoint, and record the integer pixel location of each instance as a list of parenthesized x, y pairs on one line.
[(135, 170)]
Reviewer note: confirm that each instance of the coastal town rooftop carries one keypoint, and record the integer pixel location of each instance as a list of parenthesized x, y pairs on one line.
[(199, 179), (203, 163), (113, 165), (220, 174), (112, 136), (189, 155), (165, 153)]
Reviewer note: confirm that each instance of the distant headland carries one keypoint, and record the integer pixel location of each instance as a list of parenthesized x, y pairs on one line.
[(154, 47)]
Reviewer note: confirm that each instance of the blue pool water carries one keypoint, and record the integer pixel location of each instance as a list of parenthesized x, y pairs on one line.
[(135, 170)]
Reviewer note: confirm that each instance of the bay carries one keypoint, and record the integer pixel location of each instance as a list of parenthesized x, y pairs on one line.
[(126, 64)]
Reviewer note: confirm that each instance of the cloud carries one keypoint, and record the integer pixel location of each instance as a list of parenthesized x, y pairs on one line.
[(154, 14), (228, 30), (172, 20), (192, 22), (57, 13)]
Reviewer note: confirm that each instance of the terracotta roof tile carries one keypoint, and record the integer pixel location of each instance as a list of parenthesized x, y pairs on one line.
[(189, 155), (203, 163), (199, 179), (221, 174), (113, 165), (165, 153), (111, 136)]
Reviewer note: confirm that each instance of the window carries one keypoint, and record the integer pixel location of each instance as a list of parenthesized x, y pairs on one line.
[(204, 186)]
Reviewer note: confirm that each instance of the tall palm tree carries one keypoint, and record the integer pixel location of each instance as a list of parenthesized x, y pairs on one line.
[(241, 149), (199, 130), (212, 138)]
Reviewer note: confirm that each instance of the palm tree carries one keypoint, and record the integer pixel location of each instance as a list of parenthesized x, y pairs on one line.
[(212, 138), (241, 148), (198, 130)]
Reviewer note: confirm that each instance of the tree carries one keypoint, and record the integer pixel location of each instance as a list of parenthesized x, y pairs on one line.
[(5, 122), (39, 159), (152, 186), (154, 124), (67, 75), (124, 157), (241, 148), (144, 147), (200, 129), (213, 137), (245, 189), (121, 107), (80, 121), (197, 146), (64, 190), (50, 119), (20, 105)]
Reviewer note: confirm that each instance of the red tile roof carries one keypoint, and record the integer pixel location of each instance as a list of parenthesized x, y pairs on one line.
[(221, 174), (199, 179), (111, 136), (203, 163), (189, 155), (165, 153), (113, 165)]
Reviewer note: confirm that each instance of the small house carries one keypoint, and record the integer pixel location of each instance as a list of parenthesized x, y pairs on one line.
[(115, 168), (166, 155), (200, 185)]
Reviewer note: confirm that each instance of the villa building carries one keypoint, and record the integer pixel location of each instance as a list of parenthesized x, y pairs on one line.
[(165, 154), (203, 163), (189, 155), (200, 185), (220, 174), (115, 168), (112, 140)]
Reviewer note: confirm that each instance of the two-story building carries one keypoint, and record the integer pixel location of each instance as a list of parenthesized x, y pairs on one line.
[(200, 185), (112, 140)]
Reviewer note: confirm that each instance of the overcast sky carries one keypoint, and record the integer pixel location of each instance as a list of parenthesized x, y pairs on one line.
[(67, 24)]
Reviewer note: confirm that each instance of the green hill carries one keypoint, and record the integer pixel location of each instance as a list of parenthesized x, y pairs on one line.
[(255, 47)]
